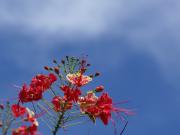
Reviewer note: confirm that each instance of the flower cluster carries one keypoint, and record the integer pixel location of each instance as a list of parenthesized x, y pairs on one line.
[(39, 84), (67, 96), (27, 116), (98, 107)]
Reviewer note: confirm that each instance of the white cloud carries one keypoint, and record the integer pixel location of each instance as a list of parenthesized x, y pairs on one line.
[(150, 26), (60, 16), (91, 18)]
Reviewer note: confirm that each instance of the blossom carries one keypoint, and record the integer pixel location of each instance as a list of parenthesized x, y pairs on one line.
[(43, 81), (18, 110), (22, 130), (64, 103), (105, 106), (29, 94), (71, 94), (60, 104), (32, 129), (27, 130), (78, 79), (87, 102), (56, 101), (39, 84), (99, 107), (31, 117), (72, 78)]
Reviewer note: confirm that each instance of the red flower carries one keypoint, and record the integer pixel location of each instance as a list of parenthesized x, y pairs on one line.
[(35, 94), (88, 102), (44, 82), (105, 117), (20, 131), (101, 107), (30, 94), (57, 101), (93, 110), (23, 94), (24, 130), (89, 99), (52, 78), (60, 104), (18, 110), (71, 94), (105, 105), (32, 129), (38, 85), (105, 102)]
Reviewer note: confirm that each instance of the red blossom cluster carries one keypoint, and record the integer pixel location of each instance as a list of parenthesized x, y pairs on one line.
[(39, 84), (69, 95), (27, 116), (98, 107)]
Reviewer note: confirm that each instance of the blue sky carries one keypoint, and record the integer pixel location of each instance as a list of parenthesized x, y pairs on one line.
[(134, 44)]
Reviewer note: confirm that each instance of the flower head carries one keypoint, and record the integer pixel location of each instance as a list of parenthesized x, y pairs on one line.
[(39, 84), (43, 81), (18, 110), (29, 94), (71, 94), (99, 107), (60, 104), (78, 79), (27, 130)]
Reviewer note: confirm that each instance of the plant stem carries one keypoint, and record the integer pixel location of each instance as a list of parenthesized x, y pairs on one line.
[(124, 128), (58, 124)]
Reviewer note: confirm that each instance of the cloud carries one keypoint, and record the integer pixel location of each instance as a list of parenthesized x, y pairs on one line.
[(149, 26), (60, 16), (88, 17)]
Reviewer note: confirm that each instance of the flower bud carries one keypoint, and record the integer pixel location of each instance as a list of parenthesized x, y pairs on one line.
[(63, 62), (56, 70), (97, 74), (91, 76), (99, 88), (83, 61), (54, 61), (88, 65), (46, 67), (1, 124), (51, 69), (83, 70), (1, 106)]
